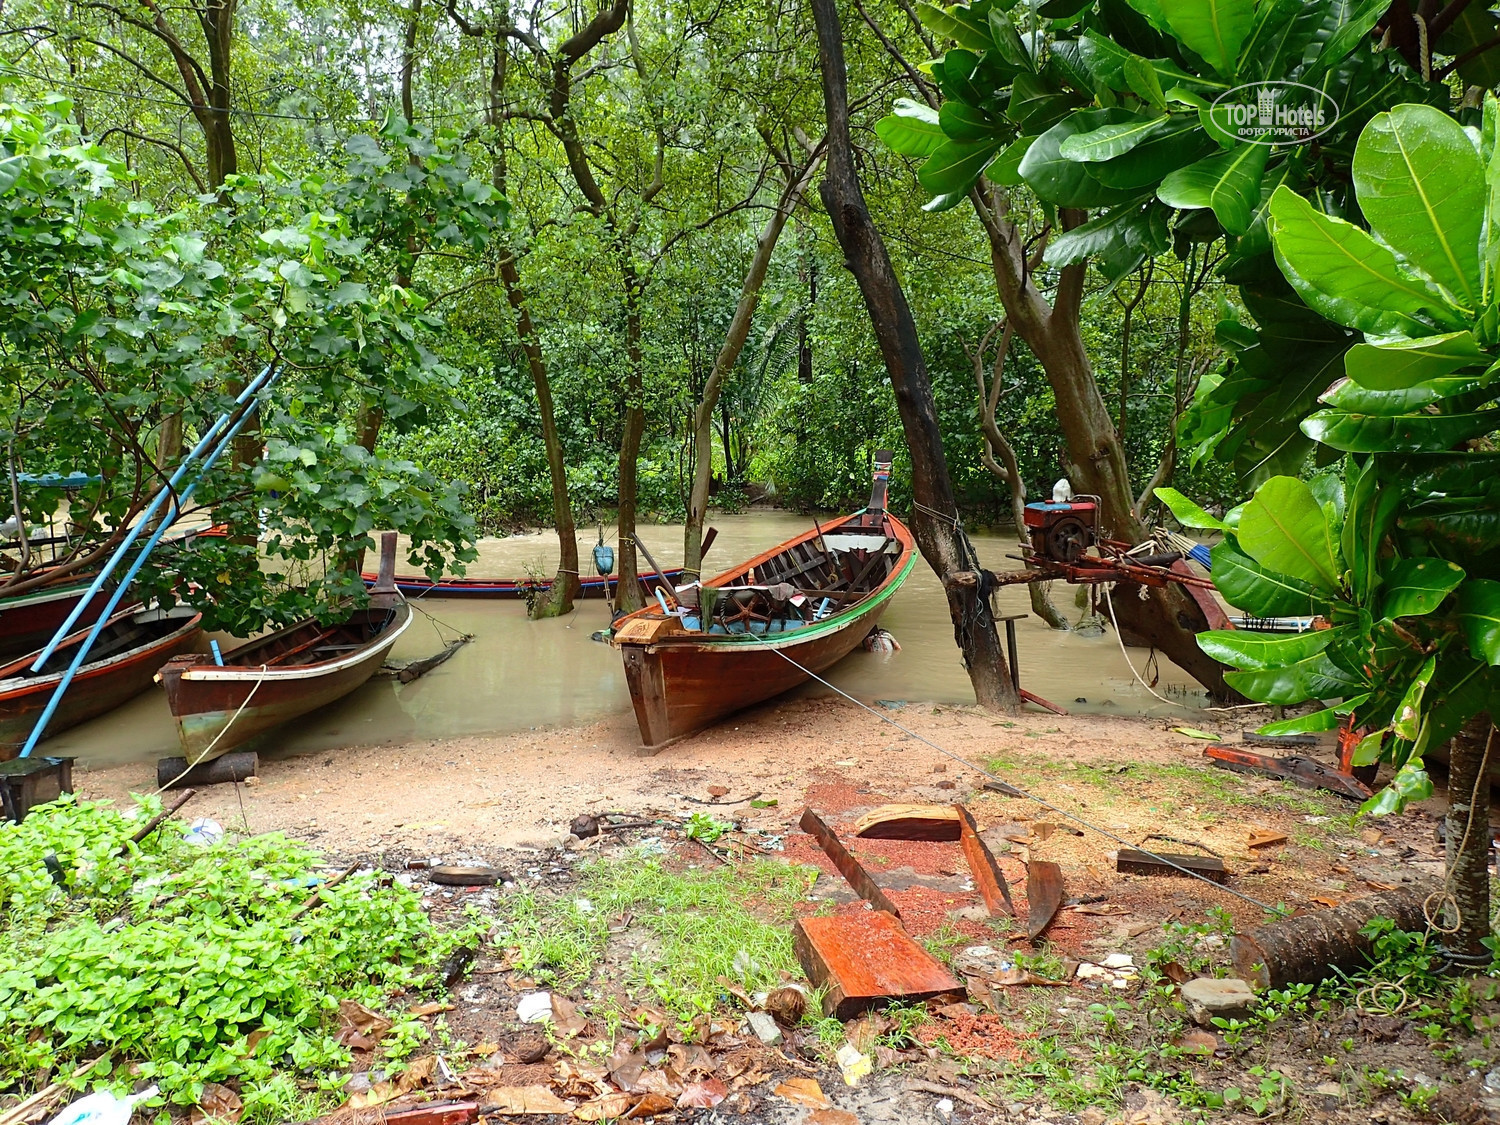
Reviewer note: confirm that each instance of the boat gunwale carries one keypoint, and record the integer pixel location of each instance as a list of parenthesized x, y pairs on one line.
[(209, 672), (808, 632), (17, 685)]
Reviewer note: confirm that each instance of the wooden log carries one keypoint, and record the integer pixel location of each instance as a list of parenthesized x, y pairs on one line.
[(866, 960), (418, 668), (236, 766), (909, 822), (1132, 862), (1309, 947)]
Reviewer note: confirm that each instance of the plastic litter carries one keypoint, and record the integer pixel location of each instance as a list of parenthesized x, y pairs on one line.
[(102, 1109), (204, 832)]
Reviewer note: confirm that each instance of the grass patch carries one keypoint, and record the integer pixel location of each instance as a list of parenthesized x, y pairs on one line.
[(189, 964), (691, 927)]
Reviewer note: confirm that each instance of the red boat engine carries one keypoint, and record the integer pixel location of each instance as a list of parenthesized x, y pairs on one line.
[(1063, 531)]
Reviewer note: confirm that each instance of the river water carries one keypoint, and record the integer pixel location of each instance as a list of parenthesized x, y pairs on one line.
[(519, 674)]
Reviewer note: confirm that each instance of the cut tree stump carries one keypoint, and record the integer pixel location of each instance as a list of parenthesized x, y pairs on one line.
[(1309, 947), (867, 960)]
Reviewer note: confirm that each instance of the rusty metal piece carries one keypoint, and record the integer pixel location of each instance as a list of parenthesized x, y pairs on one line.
[(1044, 895), (987, 874), (1304, 771), (1133, 862), (848, 866), (866, 960)]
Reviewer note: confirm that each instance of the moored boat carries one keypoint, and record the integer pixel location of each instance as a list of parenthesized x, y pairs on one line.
[(28, 620), (281, 676), (133, 644), (757, 630), (417, 585)]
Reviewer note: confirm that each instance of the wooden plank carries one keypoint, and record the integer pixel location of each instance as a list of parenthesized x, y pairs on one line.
[(444, 1113), (865, 960), (1133, 862), (848, 866), (1044, 894), (987, 874), (909, 822)]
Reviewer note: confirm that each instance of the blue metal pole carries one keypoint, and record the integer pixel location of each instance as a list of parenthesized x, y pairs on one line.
[(208, 438), (119, 592)]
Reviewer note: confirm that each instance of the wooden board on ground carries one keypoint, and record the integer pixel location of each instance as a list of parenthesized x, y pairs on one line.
[(1132, 862), (848, 866), (909, 822), (866, 960), (987, 874), (1044, 894)]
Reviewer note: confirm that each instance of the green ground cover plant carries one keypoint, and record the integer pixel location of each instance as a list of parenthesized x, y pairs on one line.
[(186, 965)]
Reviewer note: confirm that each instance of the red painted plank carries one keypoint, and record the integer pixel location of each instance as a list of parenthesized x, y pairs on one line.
[(867, 959)]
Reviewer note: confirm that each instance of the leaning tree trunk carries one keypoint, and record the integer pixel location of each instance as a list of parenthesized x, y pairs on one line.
[(938, 536), (1467, 829)]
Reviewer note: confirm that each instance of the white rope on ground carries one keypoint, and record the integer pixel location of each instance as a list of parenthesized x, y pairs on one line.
[(207, 750), (1169, 702), (1046, 804)]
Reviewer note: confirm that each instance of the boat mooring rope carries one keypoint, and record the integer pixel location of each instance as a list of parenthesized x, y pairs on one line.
[(1046, 804)]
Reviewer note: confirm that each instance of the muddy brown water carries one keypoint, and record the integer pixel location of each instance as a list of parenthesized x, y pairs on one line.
[(519, 674)]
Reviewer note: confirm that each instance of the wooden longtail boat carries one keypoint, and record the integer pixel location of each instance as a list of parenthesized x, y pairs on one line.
[(417, 585), (811, 600), (129, 650), (27, 621), (283, 675)]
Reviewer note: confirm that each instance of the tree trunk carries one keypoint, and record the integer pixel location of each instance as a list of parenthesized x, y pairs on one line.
[(217, 17), (409, 60), (729, 354), (938, 536), (1467, 828)]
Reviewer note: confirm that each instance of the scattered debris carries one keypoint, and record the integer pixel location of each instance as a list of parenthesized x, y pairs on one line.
[(848, 866), (1227, 998), (854, 1065), (1265, 838), (1310, 947), (535, 1007), (1304, 771), (765, 1027), (803, 1091)]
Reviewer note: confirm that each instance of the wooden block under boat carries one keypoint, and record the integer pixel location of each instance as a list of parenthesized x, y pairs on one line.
[(909, 822), (867, 959)]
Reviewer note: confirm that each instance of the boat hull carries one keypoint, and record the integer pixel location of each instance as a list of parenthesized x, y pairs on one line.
[(98, 688), (682, 681), (220, 708), (416, 586), (28, 621)]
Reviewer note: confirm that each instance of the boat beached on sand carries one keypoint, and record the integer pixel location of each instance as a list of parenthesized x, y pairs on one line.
[(758, 630), (283, 675), (130, 648)]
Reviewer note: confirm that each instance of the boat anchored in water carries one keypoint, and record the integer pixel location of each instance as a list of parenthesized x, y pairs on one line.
[(283, 675), (756, 631)]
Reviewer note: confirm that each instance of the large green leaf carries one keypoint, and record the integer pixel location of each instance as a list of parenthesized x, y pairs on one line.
[(1404, 363), (1410, 783), (1259, 592), (1348, 395), (1407, 721), (1414, 587), (1474, 31), (1479, 614), (1006, 168), (958, 22), (1188, 513), (1107, 60), (1176, 144), (1276, 33), (953, 167), (1403, 433), (1118, 240), (1110, 141), (1345, 275), (1008, 44), (1214, 29), (1421, 186), (1250, 651), (1357, 20), (1284, 528), (968, 124), (1370, 515), (1067, 182), (1316, 677), (1228, 182), (911, 128)]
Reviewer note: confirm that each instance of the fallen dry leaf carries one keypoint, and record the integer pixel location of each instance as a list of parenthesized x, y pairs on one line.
[(565, 1018), (1371, 836), (1377, 885), (1324, 900), (513, 1101), (650, 1105), (657, 1082), (354, 1016), (605, 1106), (1176, 973), (831, 1117), (1100, 908), (1198, 1042), (703, 1095), (690, 1060), (431, 1008), (1043, 830), (218, 1103), (253, 1040), (803, 1091), (718, 791)]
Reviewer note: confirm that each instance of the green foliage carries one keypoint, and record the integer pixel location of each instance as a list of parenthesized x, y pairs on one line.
[(188, 960)]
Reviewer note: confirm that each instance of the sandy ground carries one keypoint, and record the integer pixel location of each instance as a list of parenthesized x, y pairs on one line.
[(523, 790)]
